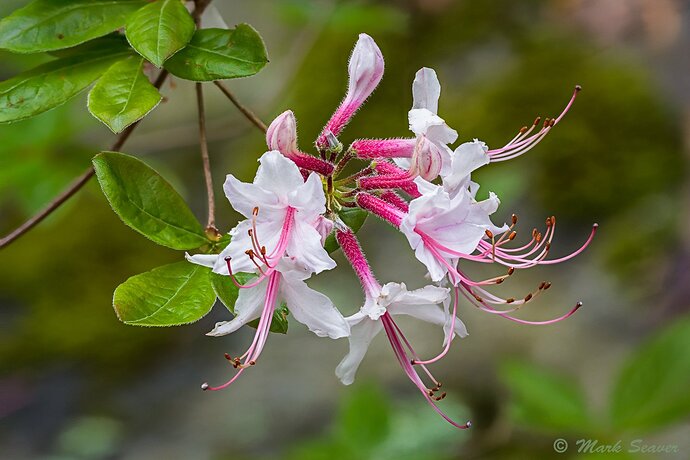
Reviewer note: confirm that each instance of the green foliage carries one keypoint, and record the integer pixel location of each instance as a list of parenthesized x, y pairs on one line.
[(544, 400), (364, 417), (170, 295), (159, 30), (227, 293), (652, 389), (217, 54), (353, 218), (123, 95), (650, 392), (146, 202), (368, 427), (46, 25), (51, 84)]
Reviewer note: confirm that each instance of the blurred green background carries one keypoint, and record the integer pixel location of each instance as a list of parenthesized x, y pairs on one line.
[(75, 383)]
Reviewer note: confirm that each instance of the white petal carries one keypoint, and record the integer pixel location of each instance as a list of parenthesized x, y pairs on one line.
[(207, 260), (309, 198), (313, 309), (424, 122), (248, 307), (362, 332), (268, 233), (245, 197), (426, 90), (399, 295), (423, 304), (305, 247), (278, 174), (467, 158)]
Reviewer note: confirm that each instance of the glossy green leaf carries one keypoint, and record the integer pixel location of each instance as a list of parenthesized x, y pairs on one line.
[(227, 292), (545, 400), (123, 95), (217, 54), (113, 43), (160, 29), (353, 218), (50, 85), (170, 295), (146, 202), (652, 389), (46, 25)]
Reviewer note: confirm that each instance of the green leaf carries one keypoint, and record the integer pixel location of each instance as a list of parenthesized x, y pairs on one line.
[(146, 202), (170, 295), (227, 293), (46, 25), (652, 388), (216, 54), (160, 29), (353, 218), (50, 85), (364, 418), (123, 95), (544, 400), (108, 44)]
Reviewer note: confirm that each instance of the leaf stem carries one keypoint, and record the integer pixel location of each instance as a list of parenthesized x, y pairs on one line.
[(203, 146), (245, 111), (78, 183)]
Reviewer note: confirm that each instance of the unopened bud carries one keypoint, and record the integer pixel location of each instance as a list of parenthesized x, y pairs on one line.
[(281, 135)]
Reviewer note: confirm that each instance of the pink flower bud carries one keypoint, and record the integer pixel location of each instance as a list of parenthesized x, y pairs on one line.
[(427, 159), (366, 70), (281, 135)]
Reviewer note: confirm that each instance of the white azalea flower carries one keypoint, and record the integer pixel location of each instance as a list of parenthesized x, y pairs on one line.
[(441, 227), (394, 299), (282, 213)]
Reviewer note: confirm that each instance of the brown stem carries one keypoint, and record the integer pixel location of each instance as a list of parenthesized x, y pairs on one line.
[(203, 145), (200, 6), (245, 111), (78, 183)]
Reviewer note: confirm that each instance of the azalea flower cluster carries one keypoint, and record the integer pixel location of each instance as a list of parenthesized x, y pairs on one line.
[(294, 204)]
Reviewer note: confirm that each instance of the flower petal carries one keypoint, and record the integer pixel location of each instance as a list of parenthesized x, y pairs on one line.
[(362, 332), (467, 158), (426, 90), (305, 247), (245, 197), (313, 309), (206, 260), (308, 199), (248, 307), (424, 122), (278, 174)]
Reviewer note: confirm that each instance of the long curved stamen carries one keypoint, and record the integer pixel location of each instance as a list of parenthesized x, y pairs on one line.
[(406, 364), (254, 351), (523, 142), (450, 335), (262, 277), (480, 303)]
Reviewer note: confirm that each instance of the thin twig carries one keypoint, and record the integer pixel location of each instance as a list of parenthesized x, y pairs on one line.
[(203, 146), (245, 111), (78, 183), (74, 187)]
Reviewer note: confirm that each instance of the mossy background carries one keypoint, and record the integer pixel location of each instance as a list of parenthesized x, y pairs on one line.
[(77, 383)]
